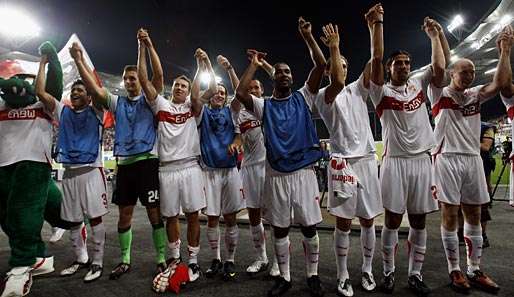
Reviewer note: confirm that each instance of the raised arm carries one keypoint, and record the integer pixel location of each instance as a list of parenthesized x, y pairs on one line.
[(98, 94), (316, 73), (47, 99), (242, 89), (142, 71), (375, 19), (438, 63), (444, 44), (503, 75), (508, 90), (261, 55), (337, 75), (225, 64), (157, 73), (197, 97)]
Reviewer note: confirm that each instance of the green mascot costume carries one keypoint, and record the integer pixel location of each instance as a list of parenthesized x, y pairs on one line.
[(28, 195)]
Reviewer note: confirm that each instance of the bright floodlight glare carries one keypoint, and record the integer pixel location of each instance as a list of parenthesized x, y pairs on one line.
[(15, 23), (454, 58), (205, 78), (506, 19), (455, 23)]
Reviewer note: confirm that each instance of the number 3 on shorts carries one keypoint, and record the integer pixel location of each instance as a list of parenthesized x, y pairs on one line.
[(153, 196)]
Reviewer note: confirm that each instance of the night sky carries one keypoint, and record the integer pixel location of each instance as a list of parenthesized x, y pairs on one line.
[(108, 29)]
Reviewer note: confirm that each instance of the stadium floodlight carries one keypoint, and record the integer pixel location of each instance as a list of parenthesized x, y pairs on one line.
[(490, 71), (455, 23), (15, 23), (505, 20), (205, 78)]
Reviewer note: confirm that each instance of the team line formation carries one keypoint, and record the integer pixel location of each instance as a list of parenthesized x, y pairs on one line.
[(179, 155)]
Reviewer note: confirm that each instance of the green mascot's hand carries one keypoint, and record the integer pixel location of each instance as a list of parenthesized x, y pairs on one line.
[(17, 92), (54, 76)]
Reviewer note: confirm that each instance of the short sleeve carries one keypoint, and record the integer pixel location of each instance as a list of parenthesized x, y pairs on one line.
[(112, 101), (376, 92), (258, 107), (434, 93), (310, 98)]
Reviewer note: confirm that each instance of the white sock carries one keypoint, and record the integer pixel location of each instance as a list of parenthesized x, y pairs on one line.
[(368, 239), (259, 242), (417, 242), (451, 248), (175, 249), (78, 237), (474, 241), (213, 235), (389, 248), (99, 243), (341, 249), (282, 253), (311, 248), (231, 239), (193, 253)]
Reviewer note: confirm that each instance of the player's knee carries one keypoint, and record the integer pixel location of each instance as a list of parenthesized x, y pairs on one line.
[(309, 231), (417, 221), (95, 221), (366, 223), (280, 232), (213, 221), (343, 224)]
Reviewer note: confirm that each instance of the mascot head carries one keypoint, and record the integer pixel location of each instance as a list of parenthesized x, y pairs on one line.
[(18, 91)]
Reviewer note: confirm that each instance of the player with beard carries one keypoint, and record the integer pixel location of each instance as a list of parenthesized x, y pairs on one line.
[(292, 146), (408, 137)]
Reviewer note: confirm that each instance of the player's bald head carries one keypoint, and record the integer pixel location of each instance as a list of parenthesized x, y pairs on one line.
[(462, 63)]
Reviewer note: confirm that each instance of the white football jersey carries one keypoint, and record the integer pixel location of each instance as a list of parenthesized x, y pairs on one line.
[(253, 139), (457, 119), (406, 129), (177, 132), (347, 120), (25, 133)]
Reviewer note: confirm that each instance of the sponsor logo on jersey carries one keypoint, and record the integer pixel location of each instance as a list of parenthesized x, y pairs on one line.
[(245, 126), (177, 118), (448, 103), (391, 103), (23, 114)]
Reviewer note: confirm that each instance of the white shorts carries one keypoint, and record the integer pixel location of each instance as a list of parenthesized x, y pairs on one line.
[(181, 189), (406, 184), (253, 184), (223, 191), (366, 203), (460, 179), (291, 197), (511, 183), (84, 193)]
